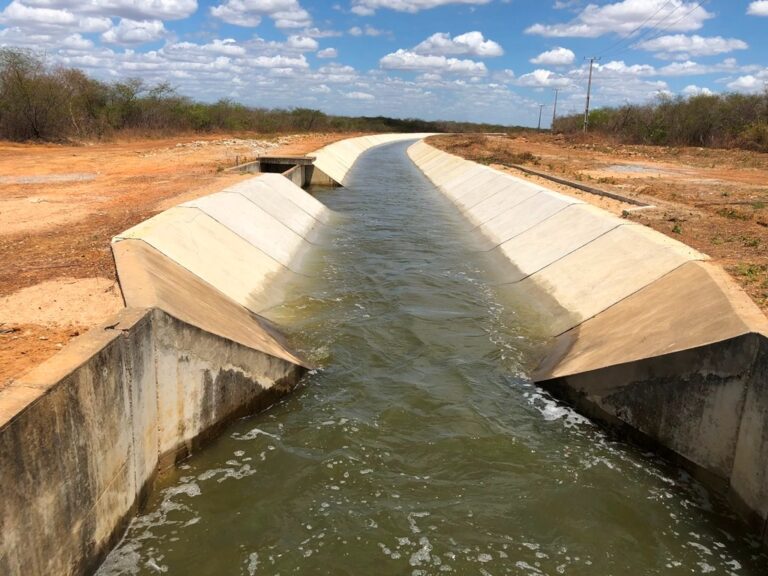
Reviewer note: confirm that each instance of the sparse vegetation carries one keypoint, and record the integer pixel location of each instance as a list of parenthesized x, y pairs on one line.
[(53, 103), (707, 120), (733, 214), (486, 150)]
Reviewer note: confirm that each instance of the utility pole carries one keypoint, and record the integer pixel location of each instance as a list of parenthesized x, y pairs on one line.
[(541, 107), (554, 110), (589, 90)]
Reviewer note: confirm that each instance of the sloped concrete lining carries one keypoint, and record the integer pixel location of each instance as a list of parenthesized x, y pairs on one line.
[(156, 280), (485, 191), (649, 337), (521, 217), (252, 223), (337, 159), (535, 249), (100, 418), (241, 242), (209, 250)]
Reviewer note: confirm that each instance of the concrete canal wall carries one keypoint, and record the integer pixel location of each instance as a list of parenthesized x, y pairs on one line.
[(647, 335), (337, 159)]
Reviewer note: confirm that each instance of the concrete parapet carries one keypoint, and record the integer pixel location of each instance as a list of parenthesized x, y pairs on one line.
[(648, 336)]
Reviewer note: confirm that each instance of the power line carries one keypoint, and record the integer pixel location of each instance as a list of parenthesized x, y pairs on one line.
[(643, 23), (683, 17), (663, 30), (541, 107)]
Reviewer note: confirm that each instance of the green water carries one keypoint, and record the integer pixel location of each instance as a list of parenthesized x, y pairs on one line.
[(421, 447)]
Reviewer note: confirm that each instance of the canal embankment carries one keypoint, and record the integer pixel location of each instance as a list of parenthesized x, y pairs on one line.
[(647, 335)]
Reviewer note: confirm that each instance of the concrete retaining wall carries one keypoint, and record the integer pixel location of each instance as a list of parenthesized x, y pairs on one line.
[(647, 335), (82, 436)]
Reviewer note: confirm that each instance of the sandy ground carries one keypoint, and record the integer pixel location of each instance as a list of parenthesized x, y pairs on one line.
[(713, 200), (61, 204)]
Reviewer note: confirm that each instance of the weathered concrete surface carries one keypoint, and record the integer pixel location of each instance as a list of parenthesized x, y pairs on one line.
[(650, 338), (749, 477), (479, 193), (99, 419)]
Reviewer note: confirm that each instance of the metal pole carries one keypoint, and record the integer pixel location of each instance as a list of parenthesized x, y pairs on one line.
[(554, 110), (541, 107), (589, 90)]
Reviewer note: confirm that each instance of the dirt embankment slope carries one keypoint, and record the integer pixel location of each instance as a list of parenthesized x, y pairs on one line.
[(61, 204), (714, 200)]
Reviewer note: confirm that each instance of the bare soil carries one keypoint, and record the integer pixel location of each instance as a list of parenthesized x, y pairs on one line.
[(61, 204), (711, 199)]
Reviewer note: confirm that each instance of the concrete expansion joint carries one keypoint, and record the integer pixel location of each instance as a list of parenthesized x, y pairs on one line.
[(575, 248), (492, 218)]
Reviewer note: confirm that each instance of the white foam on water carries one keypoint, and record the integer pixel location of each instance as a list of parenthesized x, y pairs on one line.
[(253, 563), (253, 434)]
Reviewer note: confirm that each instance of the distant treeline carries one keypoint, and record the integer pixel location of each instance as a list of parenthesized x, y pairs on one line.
[(41, 102), (708, 120)]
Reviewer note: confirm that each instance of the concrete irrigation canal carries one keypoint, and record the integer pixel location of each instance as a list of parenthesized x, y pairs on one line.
[(420, 316)]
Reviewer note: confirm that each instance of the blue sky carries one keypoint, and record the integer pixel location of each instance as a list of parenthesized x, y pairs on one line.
[(478, 60)]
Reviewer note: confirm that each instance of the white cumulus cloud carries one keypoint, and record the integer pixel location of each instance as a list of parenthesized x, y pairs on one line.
[(682, 46), (33, 19), (131, 9), (408, 60), (249, 13), (747, 83), (130, 32), (369, 7), (543, 79), (693, 90), (555, 57), (470, 43), (759, 8), (359, 96), (620, 68), (328, 53), (626, 16), (280, 62), (301, 43)]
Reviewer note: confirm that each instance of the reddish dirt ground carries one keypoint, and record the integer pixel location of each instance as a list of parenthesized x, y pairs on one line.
[(61, 204), (713, 200)]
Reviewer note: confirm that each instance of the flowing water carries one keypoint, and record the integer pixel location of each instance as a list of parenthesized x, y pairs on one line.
[(420, 446)]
